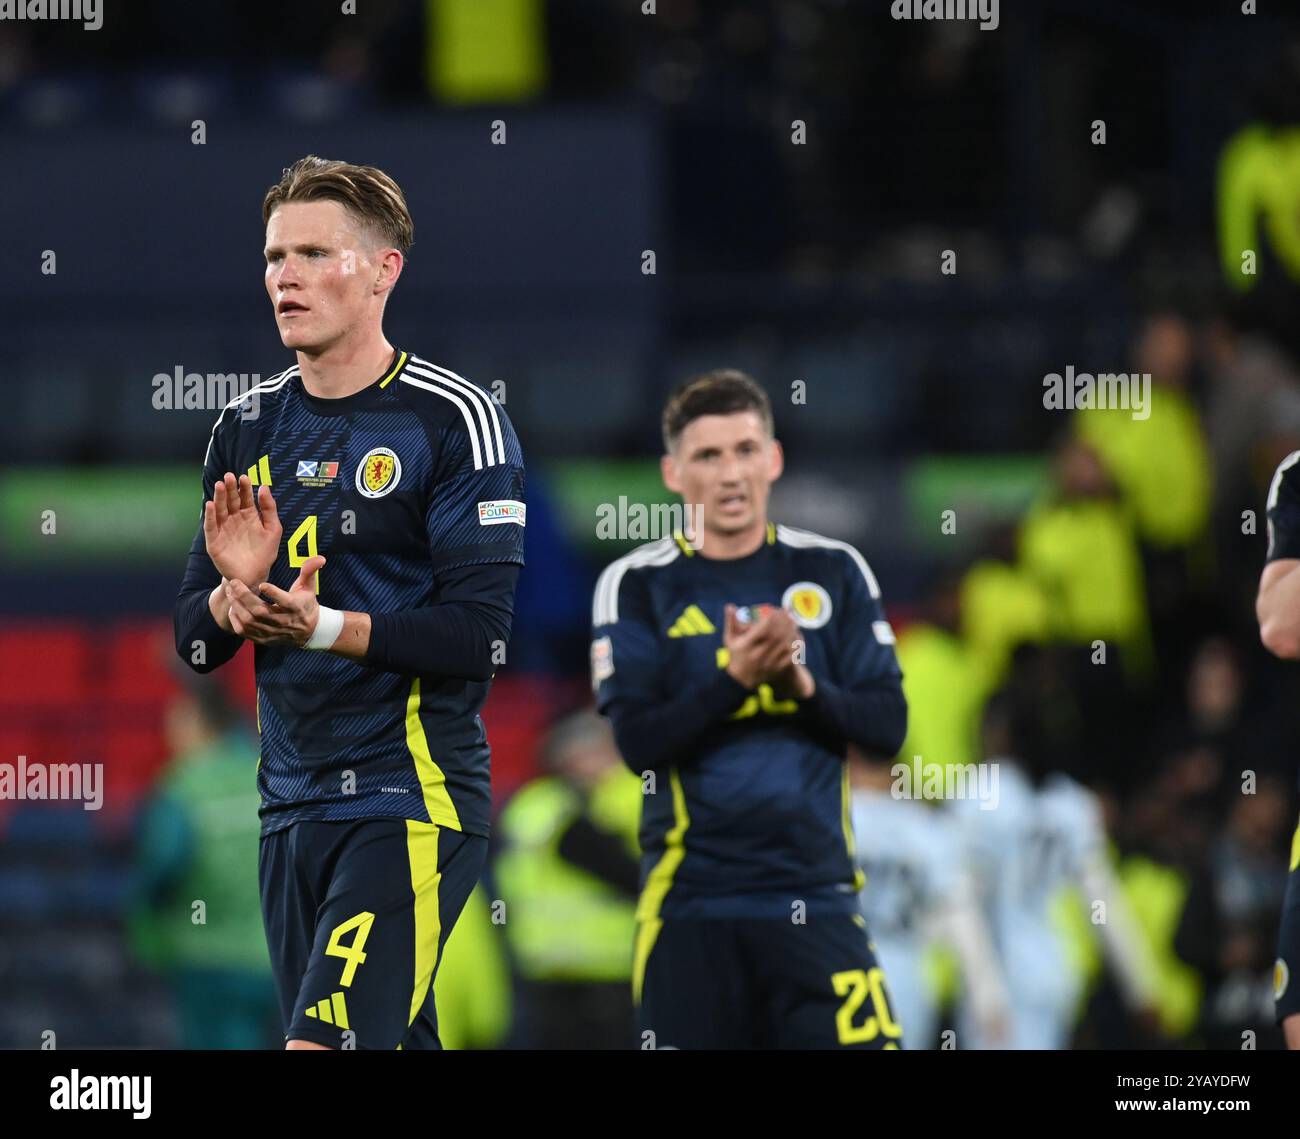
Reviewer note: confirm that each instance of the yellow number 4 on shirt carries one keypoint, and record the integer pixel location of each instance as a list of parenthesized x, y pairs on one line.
[(306, 529)]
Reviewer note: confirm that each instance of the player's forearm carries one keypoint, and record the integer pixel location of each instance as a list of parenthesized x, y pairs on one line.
[(651, 737), (1278, 609), (874, 718), (463, 640), (1291, 1030), (463, 636), (203, 640), (353, 640)]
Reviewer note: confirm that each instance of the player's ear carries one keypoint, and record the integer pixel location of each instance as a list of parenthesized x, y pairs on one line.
[(668, 468), (390, 268), (776, 461)]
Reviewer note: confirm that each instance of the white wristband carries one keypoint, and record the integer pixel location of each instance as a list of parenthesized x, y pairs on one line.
[(328, 627)]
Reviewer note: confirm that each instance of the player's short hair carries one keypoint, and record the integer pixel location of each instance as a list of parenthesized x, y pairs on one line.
[(370, 195), (723, 391)]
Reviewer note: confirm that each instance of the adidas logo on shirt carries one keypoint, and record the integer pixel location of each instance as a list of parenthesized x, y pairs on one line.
[(692, 623)]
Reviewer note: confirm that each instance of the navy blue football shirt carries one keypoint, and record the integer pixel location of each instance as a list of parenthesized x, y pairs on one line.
[(753, 809), (1284, 510), (401, 486)]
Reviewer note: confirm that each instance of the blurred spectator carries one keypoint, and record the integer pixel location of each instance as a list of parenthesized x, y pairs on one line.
[(941, 683), (1163, 470), (1079, 545), (1242, 720), (1254, 388), (1156, 893), (1001, 607), (197, 915), (568, 875), (1163, 836), (1229, 924), (1215, 690), (1160, 463), (472, 992), (1044, 835)]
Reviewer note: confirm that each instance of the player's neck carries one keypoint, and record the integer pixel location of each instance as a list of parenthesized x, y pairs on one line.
[(346, 367), (728, 547)]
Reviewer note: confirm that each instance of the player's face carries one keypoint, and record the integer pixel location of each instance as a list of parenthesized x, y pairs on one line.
[(321, 274), (726, 464)]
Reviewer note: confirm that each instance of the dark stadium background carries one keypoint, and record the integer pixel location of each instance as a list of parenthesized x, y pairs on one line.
[(817, 261)]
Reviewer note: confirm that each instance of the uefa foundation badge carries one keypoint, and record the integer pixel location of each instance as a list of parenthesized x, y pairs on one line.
[(501, 511)]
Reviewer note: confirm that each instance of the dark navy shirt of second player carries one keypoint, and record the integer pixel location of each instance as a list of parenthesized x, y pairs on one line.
[(749, 810)]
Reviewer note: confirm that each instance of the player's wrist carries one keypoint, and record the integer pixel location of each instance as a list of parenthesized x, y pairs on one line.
[(329, 624), (745, 677), (219, 607), (254, 579), (241, 567)]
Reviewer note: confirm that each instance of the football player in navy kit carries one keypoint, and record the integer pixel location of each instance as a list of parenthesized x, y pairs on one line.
[(735, 668), (365, 531), (1278, 609)]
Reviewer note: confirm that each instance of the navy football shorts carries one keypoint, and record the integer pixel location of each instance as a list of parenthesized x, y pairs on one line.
[(357, 913), (761, 983)]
